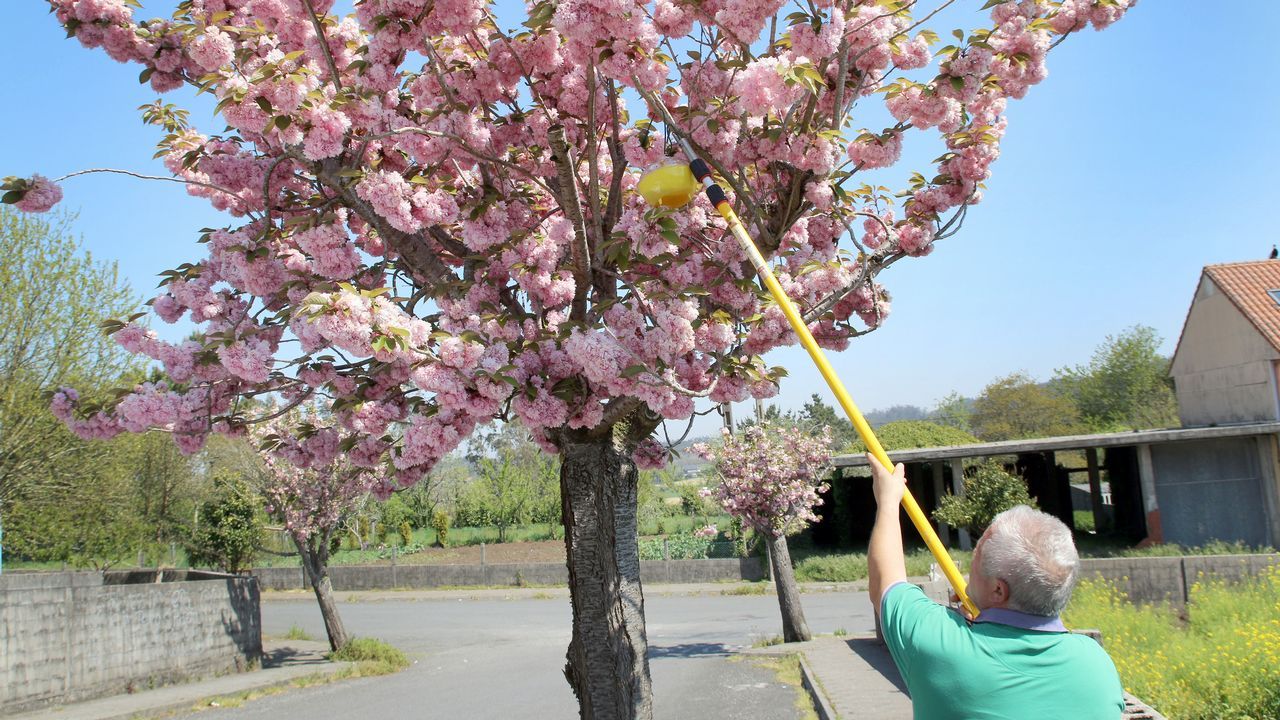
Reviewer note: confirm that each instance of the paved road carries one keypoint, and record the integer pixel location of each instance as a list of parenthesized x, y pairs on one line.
[(503, 658)]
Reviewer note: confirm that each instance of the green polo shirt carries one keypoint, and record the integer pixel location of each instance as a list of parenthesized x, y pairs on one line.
[(955, 670)]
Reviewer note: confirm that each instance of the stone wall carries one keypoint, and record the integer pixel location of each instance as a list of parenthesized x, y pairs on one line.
[(1169, 579), (387, 577), (68, 636)]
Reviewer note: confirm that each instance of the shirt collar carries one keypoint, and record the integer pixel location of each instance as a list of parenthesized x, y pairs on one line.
[(1025, 621)]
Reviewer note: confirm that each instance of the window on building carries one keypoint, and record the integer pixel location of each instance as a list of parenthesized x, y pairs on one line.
[(1275, 295)]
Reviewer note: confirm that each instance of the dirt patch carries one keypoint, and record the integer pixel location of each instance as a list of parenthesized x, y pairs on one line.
[(545, 551)]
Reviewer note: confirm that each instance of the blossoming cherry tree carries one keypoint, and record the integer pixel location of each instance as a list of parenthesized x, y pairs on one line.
[(431, 224)]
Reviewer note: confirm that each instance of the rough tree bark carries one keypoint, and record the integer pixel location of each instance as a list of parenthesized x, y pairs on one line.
[(315, 563), (794, 627), (607, 664)]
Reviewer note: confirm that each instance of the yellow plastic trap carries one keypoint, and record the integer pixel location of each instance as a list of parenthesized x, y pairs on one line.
[(671, 184)]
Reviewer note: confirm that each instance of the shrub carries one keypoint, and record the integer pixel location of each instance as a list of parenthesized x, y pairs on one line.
[(682, 546), (988, 491), (440, 523), (227, 533), (693, 503), (902, 434), (373, 656), (406, 533), (832, 568)]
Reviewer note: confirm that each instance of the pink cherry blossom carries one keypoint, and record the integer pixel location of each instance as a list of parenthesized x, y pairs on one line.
[(40, 195)]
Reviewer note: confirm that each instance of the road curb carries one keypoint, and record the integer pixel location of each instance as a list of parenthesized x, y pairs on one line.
[(810, 682), (195, 695)]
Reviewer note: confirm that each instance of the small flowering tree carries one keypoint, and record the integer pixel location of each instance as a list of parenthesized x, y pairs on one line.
[(431, 223), (771, 478), (309, 482)]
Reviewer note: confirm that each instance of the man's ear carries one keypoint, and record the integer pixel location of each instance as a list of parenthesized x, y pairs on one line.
[(1000, 593)]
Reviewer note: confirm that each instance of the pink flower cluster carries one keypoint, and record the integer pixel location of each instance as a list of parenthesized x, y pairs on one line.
[(650, 455), (876, 151), (41, 195), (408, 208)]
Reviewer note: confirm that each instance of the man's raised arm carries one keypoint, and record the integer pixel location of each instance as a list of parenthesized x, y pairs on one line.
[(886, 564)]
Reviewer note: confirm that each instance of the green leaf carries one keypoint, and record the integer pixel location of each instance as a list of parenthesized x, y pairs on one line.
[(634, 370), (12, 197)]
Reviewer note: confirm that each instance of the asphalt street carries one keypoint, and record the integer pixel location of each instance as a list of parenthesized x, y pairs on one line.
[(503, 658)]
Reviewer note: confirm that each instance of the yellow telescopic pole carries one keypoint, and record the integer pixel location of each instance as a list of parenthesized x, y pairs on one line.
[(702, 174), (855, 416)]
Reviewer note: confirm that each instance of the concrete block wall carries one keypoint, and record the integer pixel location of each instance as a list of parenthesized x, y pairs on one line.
[(1169, 579), (387, 577), (76, 640)]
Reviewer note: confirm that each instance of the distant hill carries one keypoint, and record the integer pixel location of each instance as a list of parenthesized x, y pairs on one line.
[(895, 413)]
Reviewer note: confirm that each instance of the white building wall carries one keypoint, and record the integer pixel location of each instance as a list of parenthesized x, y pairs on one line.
[(1224, 370)]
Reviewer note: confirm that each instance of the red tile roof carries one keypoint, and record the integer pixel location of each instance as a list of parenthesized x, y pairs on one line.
[(1246, 284)]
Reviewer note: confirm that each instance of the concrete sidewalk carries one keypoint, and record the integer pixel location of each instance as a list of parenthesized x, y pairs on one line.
[(283, 662), (854, 677), (848, 677)]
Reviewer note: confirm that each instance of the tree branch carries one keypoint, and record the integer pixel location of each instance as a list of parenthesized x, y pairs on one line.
[(572, 207)]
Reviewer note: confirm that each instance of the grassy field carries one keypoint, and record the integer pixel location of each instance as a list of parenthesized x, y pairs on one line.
[(1218, 660)]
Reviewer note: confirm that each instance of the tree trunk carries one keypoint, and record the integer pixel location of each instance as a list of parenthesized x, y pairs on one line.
[(607, 664), (794, 627), (315, 564)]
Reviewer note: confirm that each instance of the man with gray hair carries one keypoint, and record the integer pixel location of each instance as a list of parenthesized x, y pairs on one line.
[(1015, 659)]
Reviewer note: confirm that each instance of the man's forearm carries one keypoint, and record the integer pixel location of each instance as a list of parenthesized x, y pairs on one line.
[(886, 563)]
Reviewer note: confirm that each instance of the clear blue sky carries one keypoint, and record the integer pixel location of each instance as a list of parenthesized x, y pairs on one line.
[(1150, 151)]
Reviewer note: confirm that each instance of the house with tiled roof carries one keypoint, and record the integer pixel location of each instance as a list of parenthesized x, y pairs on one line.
[(1226, 369)]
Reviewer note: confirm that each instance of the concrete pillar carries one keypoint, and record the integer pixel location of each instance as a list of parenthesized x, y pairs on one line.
[(1150, 503), (1269, 466), (939, 490), (957, 487), (1095, 489)]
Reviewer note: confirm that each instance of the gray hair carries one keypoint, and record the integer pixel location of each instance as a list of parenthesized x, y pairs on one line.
[(1034, 554)]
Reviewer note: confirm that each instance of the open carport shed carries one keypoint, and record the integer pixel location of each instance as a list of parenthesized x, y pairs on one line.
[(1185, 485)]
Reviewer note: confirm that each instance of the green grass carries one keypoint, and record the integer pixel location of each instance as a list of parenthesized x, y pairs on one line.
[(297, 633), (757, 588), (1083, 520), (1218, 661), (787, 669), (372, 657), (850, 567)]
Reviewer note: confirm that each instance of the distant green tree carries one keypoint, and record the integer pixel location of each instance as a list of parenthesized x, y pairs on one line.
[(1125, 386), (392, 512), (1015, 407), (988, 491), (954, 410), (228, 530), (817, 414), (52, 295), (515, 482), (83, 514), (167, 490), (906, 434)]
